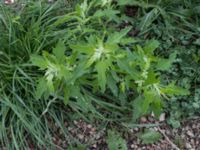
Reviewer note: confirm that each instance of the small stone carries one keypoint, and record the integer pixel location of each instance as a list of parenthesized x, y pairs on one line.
[(189, 133), (89, 126), (192, 141), (54, 139), (97, 137), (197, 142), (143, 119), (9, 1), (183, 136), (136, 129), (162, 117), (152, 114), (85, 140), (194, 126), (156, 129), (75, 122), (132, 146), (131, 130), (186, 128), (167, 132), (143, 148), (150, 119), (175, 130), (94, 146), (69, 128), (80, 136), (93, 130), (187, 145)]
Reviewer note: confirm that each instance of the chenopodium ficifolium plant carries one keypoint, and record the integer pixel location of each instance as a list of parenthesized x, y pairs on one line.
[(106, 62)]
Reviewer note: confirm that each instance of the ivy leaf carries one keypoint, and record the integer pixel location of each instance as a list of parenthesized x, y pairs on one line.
[(101, 68), (50, 82), (59, 51), (115, 141), (150, 137)]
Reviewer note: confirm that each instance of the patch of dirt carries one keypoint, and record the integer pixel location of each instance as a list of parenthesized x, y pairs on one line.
[(131, 11), (187, 137)]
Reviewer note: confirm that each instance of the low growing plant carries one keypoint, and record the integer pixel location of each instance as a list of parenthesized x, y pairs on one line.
[(105, 62), (57, 53)]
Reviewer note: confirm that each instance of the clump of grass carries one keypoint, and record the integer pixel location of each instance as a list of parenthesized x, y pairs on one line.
[(24, 30)]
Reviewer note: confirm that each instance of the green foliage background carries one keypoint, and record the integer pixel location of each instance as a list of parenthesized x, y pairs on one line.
[(103, 62)]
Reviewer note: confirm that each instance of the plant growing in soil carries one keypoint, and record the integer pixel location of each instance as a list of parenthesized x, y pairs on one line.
[(76, 54)]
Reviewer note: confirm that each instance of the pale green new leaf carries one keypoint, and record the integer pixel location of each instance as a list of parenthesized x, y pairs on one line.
[(59, 51), (151, 78), (66, 95), (101, 68), (83, 48), (109, 13), (129, 40), (151, 46), (41, 88), (117, 36), (172, 89), (50, 82), (165, 64), (39, 61)]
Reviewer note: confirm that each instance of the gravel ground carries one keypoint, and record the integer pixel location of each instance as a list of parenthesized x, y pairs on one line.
[(187, 137)]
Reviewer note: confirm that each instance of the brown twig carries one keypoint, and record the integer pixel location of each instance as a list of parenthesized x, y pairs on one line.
[(167, 138)]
